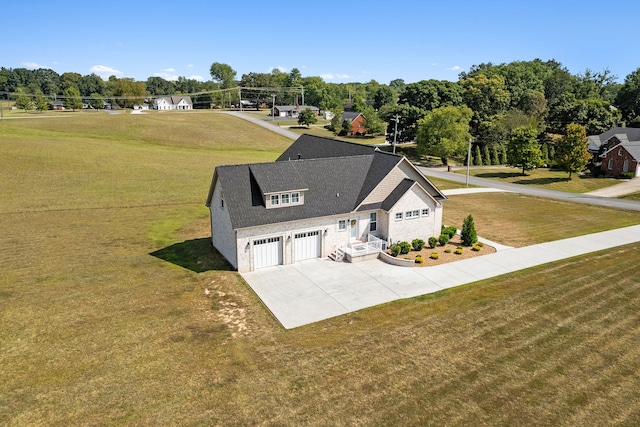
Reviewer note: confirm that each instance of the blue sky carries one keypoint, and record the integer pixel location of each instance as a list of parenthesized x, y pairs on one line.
[(341, 41)]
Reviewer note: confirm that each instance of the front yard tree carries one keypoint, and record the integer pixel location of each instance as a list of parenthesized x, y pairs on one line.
[(23, 101), (72, 98), (628, 98), (307, 117), (444, 132), (41, 103), (572, 153), (375, 126), (96, 101), (523, 150), (468, 232)]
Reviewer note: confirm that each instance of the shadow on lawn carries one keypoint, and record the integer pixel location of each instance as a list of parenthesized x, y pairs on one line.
[(491, 175), (196, 255), (540, 181)]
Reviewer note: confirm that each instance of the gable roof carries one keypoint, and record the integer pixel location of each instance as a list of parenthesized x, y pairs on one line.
[(175, 99), (335, 175), (596, 141), (632, 147), (295, 107), (350, 115), (316, 147)]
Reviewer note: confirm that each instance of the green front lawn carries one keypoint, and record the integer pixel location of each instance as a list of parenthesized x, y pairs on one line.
[(116, 311), (543, 178)]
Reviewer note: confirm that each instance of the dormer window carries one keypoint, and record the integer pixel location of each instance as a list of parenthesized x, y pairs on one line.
[(285, 199)]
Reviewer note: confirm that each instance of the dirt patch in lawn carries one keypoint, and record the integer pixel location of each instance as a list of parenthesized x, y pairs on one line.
[(444, 256)]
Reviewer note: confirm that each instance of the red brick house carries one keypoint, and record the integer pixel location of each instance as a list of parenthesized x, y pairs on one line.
[(616, 151), (357, 122)]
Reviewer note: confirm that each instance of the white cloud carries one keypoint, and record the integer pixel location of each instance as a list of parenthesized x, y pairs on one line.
[(166, 76), (455, 68), (199, 78), (104, 71), (32, 65), (190, 66), (331, 76), (170, 70)]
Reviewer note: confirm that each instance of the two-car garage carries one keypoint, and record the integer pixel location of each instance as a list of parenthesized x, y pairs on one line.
[(268, 252)]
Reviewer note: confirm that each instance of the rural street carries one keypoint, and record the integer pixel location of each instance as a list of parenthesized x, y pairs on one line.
[(534, 191)]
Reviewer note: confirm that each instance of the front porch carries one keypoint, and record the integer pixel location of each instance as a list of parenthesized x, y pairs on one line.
[(357, 250)]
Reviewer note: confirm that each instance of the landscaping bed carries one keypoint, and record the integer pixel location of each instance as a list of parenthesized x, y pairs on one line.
[(443, 255)]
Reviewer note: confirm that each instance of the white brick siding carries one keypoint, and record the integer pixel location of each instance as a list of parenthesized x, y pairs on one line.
[(420, 227)]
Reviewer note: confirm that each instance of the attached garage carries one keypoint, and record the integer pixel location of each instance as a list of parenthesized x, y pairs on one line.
[(267, 252), (306, 245)]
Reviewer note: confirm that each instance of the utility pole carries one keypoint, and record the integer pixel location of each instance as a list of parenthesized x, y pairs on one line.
[(302, 95), (396, 118), (273, 107), (240, 98), (468, 161)]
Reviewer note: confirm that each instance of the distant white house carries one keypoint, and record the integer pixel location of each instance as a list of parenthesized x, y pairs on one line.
[(293, 110), (141, 107), (173, 102)]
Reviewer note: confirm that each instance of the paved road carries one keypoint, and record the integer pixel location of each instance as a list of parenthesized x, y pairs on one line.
[(534, 191), (277, 129)]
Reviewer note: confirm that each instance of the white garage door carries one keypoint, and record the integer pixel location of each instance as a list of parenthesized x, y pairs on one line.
[(267, 252), (307, 245)]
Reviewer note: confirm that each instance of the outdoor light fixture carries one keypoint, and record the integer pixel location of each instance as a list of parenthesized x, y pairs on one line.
[(326, 230), (248, 245)]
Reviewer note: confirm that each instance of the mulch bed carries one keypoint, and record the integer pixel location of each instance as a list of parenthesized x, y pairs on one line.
[(447, 257)]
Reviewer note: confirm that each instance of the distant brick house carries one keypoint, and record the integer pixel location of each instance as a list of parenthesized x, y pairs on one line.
[(616, 151), (357, 122)]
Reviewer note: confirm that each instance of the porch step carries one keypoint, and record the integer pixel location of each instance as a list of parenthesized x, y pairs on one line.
[(337, 255)]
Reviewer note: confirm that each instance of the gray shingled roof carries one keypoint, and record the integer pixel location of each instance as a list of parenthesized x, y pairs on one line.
[(633, 147), (336, 177), (596, 141), (349, 115), (316, 147), (333, 187)]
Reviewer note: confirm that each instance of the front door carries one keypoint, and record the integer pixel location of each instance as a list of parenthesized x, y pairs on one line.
[(353, 229)]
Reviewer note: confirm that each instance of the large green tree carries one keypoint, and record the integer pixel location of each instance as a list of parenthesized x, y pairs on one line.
[(307, 117), (572, 153), (408, 117), (373, 123), (223, 74), (523, 150), (444, 132), (72, 98), (430, 94), (628, 99), (486, 96)]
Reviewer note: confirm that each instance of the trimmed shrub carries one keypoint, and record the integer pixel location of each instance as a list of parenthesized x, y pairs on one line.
[(394, 250), (468, 234), (419, 259), (433, 242), (480, 244), (434, 255), (448, 251), (458, 251), (443, 239), (476, 248), (405, 247), (450, 230), (417, 244)]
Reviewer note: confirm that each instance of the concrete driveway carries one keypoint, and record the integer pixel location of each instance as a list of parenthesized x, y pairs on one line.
[(318, 289)]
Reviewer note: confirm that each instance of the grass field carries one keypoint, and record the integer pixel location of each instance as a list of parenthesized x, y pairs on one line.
[(544, 178), (97, 328)]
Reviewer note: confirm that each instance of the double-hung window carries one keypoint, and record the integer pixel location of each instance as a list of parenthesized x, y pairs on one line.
[(399, 216), (275, 199), (373, 221), (425, 212), (284, 198), (295, 197), (342, 225)]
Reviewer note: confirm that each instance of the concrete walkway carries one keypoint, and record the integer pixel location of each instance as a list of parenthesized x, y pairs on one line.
[(625, 187), (317, 289)]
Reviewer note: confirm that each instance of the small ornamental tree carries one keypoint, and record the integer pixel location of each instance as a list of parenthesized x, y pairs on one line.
[(307, 117), (573, 154), (468, 234), (477, 156)]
